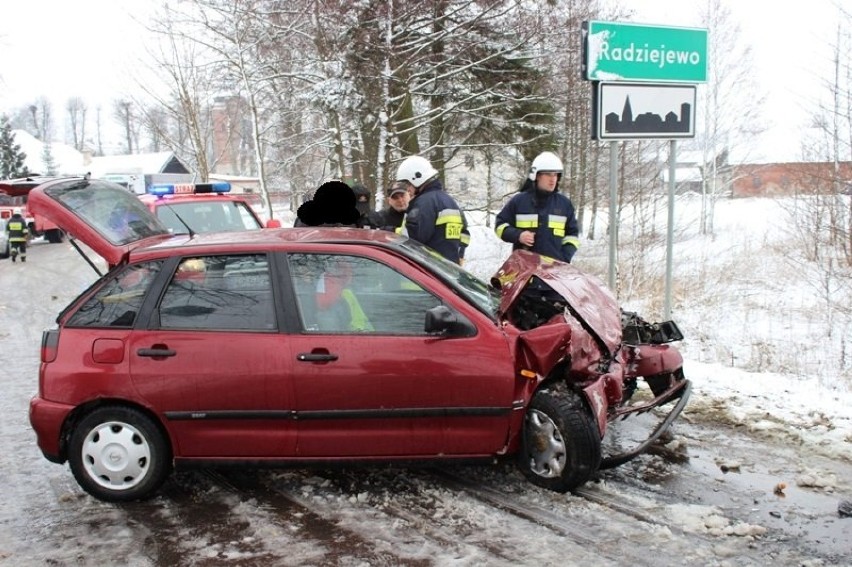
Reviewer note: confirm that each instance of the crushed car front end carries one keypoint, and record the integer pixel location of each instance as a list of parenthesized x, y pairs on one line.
[(573, 335)]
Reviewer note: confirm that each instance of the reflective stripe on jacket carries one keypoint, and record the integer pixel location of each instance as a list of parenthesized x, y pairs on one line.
[(549, 215), (17, 229), (436, 220)]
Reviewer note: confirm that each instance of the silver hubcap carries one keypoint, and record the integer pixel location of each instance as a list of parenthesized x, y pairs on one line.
[(545, 446), (116, 455)]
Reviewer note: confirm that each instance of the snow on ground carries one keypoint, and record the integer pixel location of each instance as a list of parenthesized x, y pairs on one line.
[(756, 333)]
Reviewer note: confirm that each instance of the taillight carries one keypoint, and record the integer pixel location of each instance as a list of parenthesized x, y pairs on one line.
[(49, 344)]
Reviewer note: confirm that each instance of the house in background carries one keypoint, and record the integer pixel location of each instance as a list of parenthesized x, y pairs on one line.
[(137, 172), (795, 178)]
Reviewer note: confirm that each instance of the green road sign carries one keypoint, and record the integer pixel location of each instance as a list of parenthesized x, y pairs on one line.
[(617, 51)]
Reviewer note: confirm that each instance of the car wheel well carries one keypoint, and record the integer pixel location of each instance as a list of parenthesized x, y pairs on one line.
[(81, 411)]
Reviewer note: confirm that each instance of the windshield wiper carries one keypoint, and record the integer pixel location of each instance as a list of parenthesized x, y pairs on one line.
[(183, 222)]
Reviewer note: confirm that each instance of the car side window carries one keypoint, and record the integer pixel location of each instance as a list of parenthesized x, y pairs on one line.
[(352, 294), (117, 303), (219, 293)]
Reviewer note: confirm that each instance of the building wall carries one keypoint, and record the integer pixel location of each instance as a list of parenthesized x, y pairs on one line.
[(767, 180)]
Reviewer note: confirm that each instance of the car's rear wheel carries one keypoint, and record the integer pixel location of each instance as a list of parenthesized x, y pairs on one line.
[(119, 454), (561, 445), (54, 235)]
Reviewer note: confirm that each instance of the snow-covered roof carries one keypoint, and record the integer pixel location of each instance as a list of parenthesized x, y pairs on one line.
[(68, 160), (157, 162), (683, 174)]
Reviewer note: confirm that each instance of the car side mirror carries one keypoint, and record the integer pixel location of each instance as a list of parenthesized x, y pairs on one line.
[(441, 320), (273, 223)]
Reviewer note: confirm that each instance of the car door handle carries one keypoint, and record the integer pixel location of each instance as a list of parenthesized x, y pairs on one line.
[(316, 357), (155, 352)]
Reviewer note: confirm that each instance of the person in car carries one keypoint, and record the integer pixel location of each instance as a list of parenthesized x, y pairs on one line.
[(18, 232), (398, 197), (338, 309), (433, 218), (539, 217)]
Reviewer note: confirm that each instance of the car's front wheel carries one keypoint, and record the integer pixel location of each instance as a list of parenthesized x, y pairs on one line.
[(561, 445), (118, 454)]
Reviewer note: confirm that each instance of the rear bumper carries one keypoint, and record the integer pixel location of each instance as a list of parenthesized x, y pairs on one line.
[(47, 418)]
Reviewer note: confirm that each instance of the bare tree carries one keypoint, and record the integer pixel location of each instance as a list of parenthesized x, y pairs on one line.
[(77, 108), (123, 115), (731, 107), (41, 119)]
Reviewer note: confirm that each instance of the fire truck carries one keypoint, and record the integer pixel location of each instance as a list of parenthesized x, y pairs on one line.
[(202, 207), (13, 194)]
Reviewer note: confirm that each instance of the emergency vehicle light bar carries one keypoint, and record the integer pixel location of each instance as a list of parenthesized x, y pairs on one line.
[(161, 189)]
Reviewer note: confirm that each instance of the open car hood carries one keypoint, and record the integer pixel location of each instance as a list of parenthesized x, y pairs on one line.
[(591, 303), (102, 215)]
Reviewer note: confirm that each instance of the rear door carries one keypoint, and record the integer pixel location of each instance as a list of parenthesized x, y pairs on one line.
[(369, 382), (212, 362), (104, 216)]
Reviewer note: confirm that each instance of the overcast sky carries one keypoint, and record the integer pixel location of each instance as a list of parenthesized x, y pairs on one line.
[(91, 48), (65, 48)]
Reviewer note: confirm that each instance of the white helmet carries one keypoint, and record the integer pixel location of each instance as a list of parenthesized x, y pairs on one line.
[(545, 162), (17, 211), (416, 170)]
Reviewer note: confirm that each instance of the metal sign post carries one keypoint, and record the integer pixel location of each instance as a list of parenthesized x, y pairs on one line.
[(634, 69), (667, 309), (613, 211)]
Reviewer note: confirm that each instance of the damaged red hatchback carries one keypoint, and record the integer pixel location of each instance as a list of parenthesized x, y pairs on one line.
[(317, 345)]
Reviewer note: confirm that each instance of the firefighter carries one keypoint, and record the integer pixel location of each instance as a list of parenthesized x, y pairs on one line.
[(433, 217), (539, 217), (18, 232)]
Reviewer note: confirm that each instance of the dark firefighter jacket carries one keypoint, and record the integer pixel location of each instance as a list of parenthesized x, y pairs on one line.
[(388, 219), (17, 228), (549, 214), (434, 219)]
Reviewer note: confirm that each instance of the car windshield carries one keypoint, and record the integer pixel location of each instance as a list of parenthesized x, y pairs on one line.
[(485, 297), (207, 216), (118, 215)]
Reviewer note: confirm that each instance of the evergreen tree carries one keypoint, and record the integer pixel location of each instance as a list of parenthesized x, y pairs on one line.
[(11, 157), (50, 167)]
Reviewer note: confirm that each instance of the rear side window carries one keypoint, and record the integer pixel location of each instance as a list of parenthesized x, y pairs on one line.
[(117, 303), (220, 293)]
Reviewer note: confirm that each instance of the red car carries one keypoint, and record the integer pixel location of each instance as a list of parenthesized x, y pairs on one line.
[(307, 346)]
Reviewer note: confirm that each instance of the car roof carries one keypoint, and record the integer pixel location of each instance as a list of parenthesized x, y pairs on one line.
[(115, 223), (269, 238)]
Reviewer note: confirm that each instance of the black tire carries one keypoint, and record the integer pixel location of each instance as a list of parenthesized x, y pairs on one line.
[(6, 251), (118, 454), (54, 235), (560, 443)]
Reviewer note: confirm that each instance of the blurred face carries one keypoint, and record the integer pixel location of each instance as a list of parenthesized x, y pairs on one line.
[(547, 180), (399, 200)]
